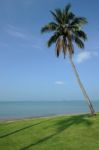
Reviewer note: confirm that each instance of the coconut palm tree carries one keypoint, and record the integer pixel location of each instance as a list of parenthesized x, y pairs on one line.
[(67, 30)]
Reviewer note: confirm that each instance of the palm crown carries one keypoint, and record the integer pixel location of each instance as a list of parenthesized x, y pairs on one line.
[(66, 29)]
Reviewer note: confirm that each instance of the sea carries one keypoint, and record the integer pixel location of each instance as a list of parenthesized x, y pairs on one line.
[(27, 109)]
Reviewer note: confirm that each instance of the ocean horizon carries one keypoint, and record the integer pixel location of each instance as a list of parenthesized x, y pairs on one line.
[(25, 109)]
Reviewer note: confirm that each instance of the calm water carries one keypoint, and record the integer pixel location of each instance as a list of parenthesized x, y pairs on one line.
[(10, 110)]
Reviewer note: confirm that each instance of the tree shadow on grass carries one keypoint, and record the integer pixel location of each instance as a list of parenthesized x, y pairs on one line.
[(38, 142), (19, 130), (73, 120), (61, 125)]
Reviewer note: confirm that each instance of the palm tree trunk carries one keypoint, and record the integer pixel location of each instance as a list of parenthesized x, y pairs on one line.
[(82, 88)]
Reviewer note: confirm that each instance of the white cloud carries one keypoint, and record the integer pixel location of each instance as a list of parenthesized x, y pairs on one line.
[(85, 55), (15, 32), (10, 26), (59, 82), (27, 38)]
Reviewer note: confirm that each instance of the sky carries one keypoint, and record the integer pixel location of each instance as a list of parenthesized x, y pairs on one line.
[(29, 70)]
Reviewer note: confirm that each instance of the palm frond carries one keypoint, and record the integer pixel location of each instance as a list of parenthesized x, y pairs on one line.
[(79, 42), (60, 15), (67, 8), (81, 34), (58, 12), (79, 21), (71, 15), (49, 27), (53, 39), (56, 18)]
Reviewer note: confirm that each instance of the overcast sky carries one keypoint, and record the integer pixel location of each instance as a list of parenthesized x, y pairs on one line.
[(31, 71)]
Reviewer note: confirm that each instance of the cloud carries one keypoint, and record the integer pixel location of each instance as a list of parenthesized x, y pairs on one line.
[(24, 38), (85, 55), (10, 26), (59, 82), (15, 32)]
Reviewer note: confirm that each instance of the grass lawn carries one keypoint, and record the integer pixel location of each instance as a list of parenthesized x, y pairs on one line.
[(75, 132)]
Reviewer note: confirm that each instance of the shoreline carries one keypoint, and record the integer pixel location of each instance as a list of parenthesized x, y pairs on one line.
[(8, 120)]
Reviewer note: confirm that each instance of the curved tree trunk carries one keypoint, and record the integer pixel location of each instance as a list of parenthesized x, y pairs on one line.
[(82, 88)]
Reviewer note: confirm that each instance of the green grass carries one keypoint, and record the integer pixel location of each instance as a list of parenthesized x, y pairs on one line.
[(75, 132)]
